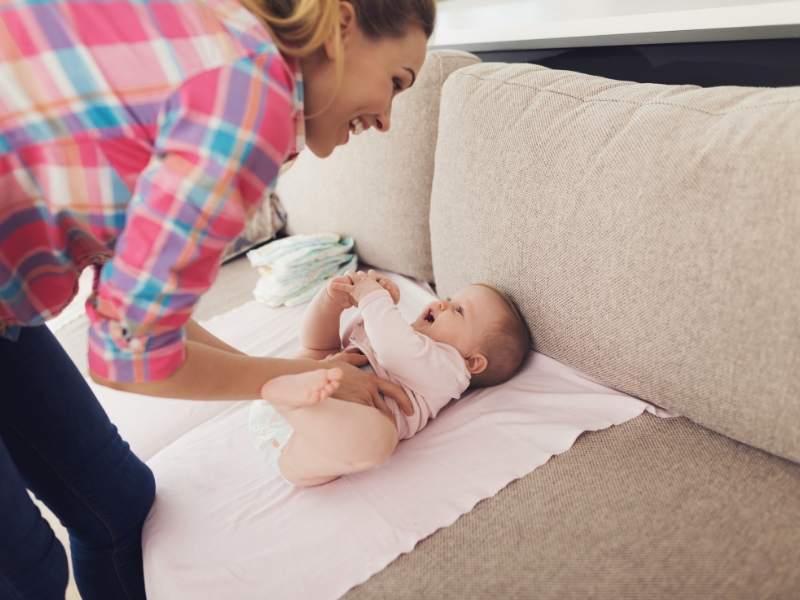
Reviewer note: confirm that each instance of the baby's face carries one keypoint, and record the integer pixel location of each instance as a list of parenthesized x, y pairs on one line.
[(461, 321)]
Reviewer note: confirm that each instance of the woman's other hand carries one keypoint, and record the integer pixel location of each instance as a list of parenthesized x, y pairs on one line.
[(366, 388)]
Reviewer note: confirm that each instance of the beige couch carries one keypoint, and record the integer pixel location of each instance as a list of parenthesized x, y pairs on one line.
[(651, 235)]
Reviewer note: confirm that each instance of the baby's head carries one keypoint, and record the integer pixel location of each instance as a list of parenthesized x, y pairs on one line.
[(484, 326)]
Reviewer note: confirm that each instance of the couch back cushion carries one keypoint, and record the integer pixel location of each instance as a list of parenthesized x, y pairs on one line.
[(649, 233), (377, 188)]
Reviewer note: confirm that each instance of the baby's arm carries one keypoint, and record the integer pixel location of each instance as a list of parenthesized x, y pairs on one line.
[(319, 332), (409, 355), (399, 348)]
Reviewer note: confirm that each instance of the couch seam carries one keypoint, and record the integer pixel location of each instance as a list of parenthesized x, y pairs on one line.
[(630, 102), (445, 60)]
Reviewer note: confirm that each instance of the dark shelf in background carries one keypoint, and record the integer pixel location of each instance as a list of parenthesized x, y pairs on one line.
[(770, 63)]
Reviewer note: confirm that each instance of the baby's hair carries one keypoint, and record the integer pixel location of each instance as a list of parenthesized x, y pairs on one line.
[(505, 345)]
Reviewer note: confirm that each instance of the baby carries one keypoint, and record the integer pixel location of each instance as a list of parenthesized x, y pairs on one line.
[(475, 339)]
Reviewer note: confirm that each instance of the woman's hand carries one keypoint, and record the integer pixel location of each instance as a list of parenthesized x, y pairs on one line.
[(366, 388)]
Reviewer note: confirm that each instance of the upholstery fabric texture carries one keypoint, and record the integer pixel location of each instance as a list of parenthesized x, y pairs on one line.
[(653, 508), (377, 188), (649, 233)]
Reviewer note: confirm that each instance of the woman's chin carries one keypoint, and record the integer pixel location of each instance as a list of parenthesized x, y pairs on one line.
[(320, 149)]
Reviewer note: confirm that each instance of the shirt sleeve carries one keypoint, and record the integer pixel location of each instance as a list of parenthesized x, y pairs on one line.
[(221, 139), (424, 365)]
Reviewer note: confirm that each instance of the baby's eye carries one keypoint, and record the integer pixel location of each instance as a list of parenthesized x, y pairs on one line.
[(460, 310), (398, 85)]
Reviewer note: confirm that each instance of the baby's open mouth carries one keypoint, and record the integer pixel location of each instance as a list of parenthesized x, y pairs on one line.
[(429, 316)]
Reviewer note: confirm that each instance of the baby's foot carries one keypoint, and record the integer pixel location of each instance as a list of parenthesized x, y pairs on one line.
[(304, 389)]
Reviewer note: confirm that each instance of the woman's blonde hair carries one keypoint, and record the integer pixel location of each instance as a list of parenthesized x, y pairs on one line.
[(300, 27)]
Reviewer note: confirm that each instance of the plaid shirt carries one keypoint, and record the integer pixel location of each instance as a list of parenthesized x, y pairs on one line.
[(136, 134)]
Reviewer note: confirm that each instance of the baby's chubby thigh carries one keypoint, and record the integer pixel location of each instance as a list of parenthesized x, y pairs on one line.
[(336, 437)]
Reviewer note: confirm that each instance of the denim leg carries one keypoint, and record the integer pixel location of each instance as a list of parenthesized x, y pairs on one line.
[(33, 564), (72, 457)]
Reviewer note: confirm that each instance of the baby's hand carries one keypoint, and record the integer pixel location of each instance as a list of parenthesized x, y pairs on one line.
[(342, 298), (387, 284), (361, 285)]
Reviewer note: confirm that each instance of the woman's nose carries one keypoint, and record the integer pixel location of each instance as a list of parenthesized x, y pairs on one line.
[(383, 121)]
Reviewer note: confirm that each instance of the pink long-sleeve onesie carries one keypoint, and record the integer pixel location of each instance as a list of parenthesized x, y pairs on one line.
[(432, 373)]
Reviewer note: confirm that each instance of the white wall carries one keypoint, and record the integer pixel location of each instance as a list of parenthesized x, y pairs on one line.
[(530, 24)]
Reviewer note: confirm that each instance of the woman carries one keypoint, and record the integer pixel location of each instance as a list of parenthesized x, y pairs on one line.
[(136, 136)]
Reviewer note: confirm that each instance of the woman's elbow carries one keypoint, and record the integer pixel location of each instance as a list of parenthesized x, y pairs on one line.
[(114, 385)]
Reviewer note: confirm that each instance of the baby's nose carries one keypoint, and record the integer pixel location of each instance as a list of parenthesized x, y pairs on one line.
[(443, 305)]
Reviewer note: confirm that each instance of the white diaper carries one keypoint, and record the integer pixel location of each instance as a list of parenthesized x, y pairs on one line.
[(270, 430)]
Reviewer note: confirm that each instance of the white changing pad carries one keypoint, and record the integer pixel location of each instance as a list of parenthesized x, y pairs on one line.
[(225, 525)]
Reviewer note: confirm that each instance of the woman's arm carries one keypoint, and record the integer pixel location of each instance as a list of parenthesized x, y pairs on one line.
[(186, 206), (210, 373), (197, 333)]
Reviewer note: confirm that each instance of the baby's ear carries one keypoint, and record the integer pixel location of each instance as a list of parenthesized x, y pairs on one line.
[(477, 363)]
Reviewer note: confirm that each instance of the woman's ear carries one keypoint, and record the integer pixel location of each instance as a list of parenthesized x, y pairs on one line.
[(347, 25), (477, 363)]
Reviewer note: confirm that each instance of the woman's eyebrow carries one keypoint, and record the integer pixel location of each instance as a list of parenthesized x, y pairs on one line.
[(413, 75)]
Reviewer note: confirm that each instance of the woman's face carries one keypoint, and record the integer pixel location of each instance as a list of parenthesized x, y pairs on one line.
[(374, 72)]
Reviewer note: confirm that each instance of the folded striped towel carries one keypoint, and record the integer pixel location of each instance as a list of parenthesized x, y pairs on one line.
[(294, 268)]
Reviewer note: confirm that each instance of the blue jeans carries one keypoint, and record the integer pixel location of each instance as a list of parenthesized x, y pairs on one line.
[(56, 440)]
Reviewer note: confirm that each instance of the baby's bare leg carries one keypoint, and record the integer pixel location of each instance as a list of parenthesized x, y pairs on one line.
[(331, 437), (319, 331)]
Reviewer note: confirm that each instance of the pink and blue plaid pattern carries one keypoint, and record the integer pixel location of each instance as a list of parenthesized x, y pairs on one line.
[(136, 134)]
